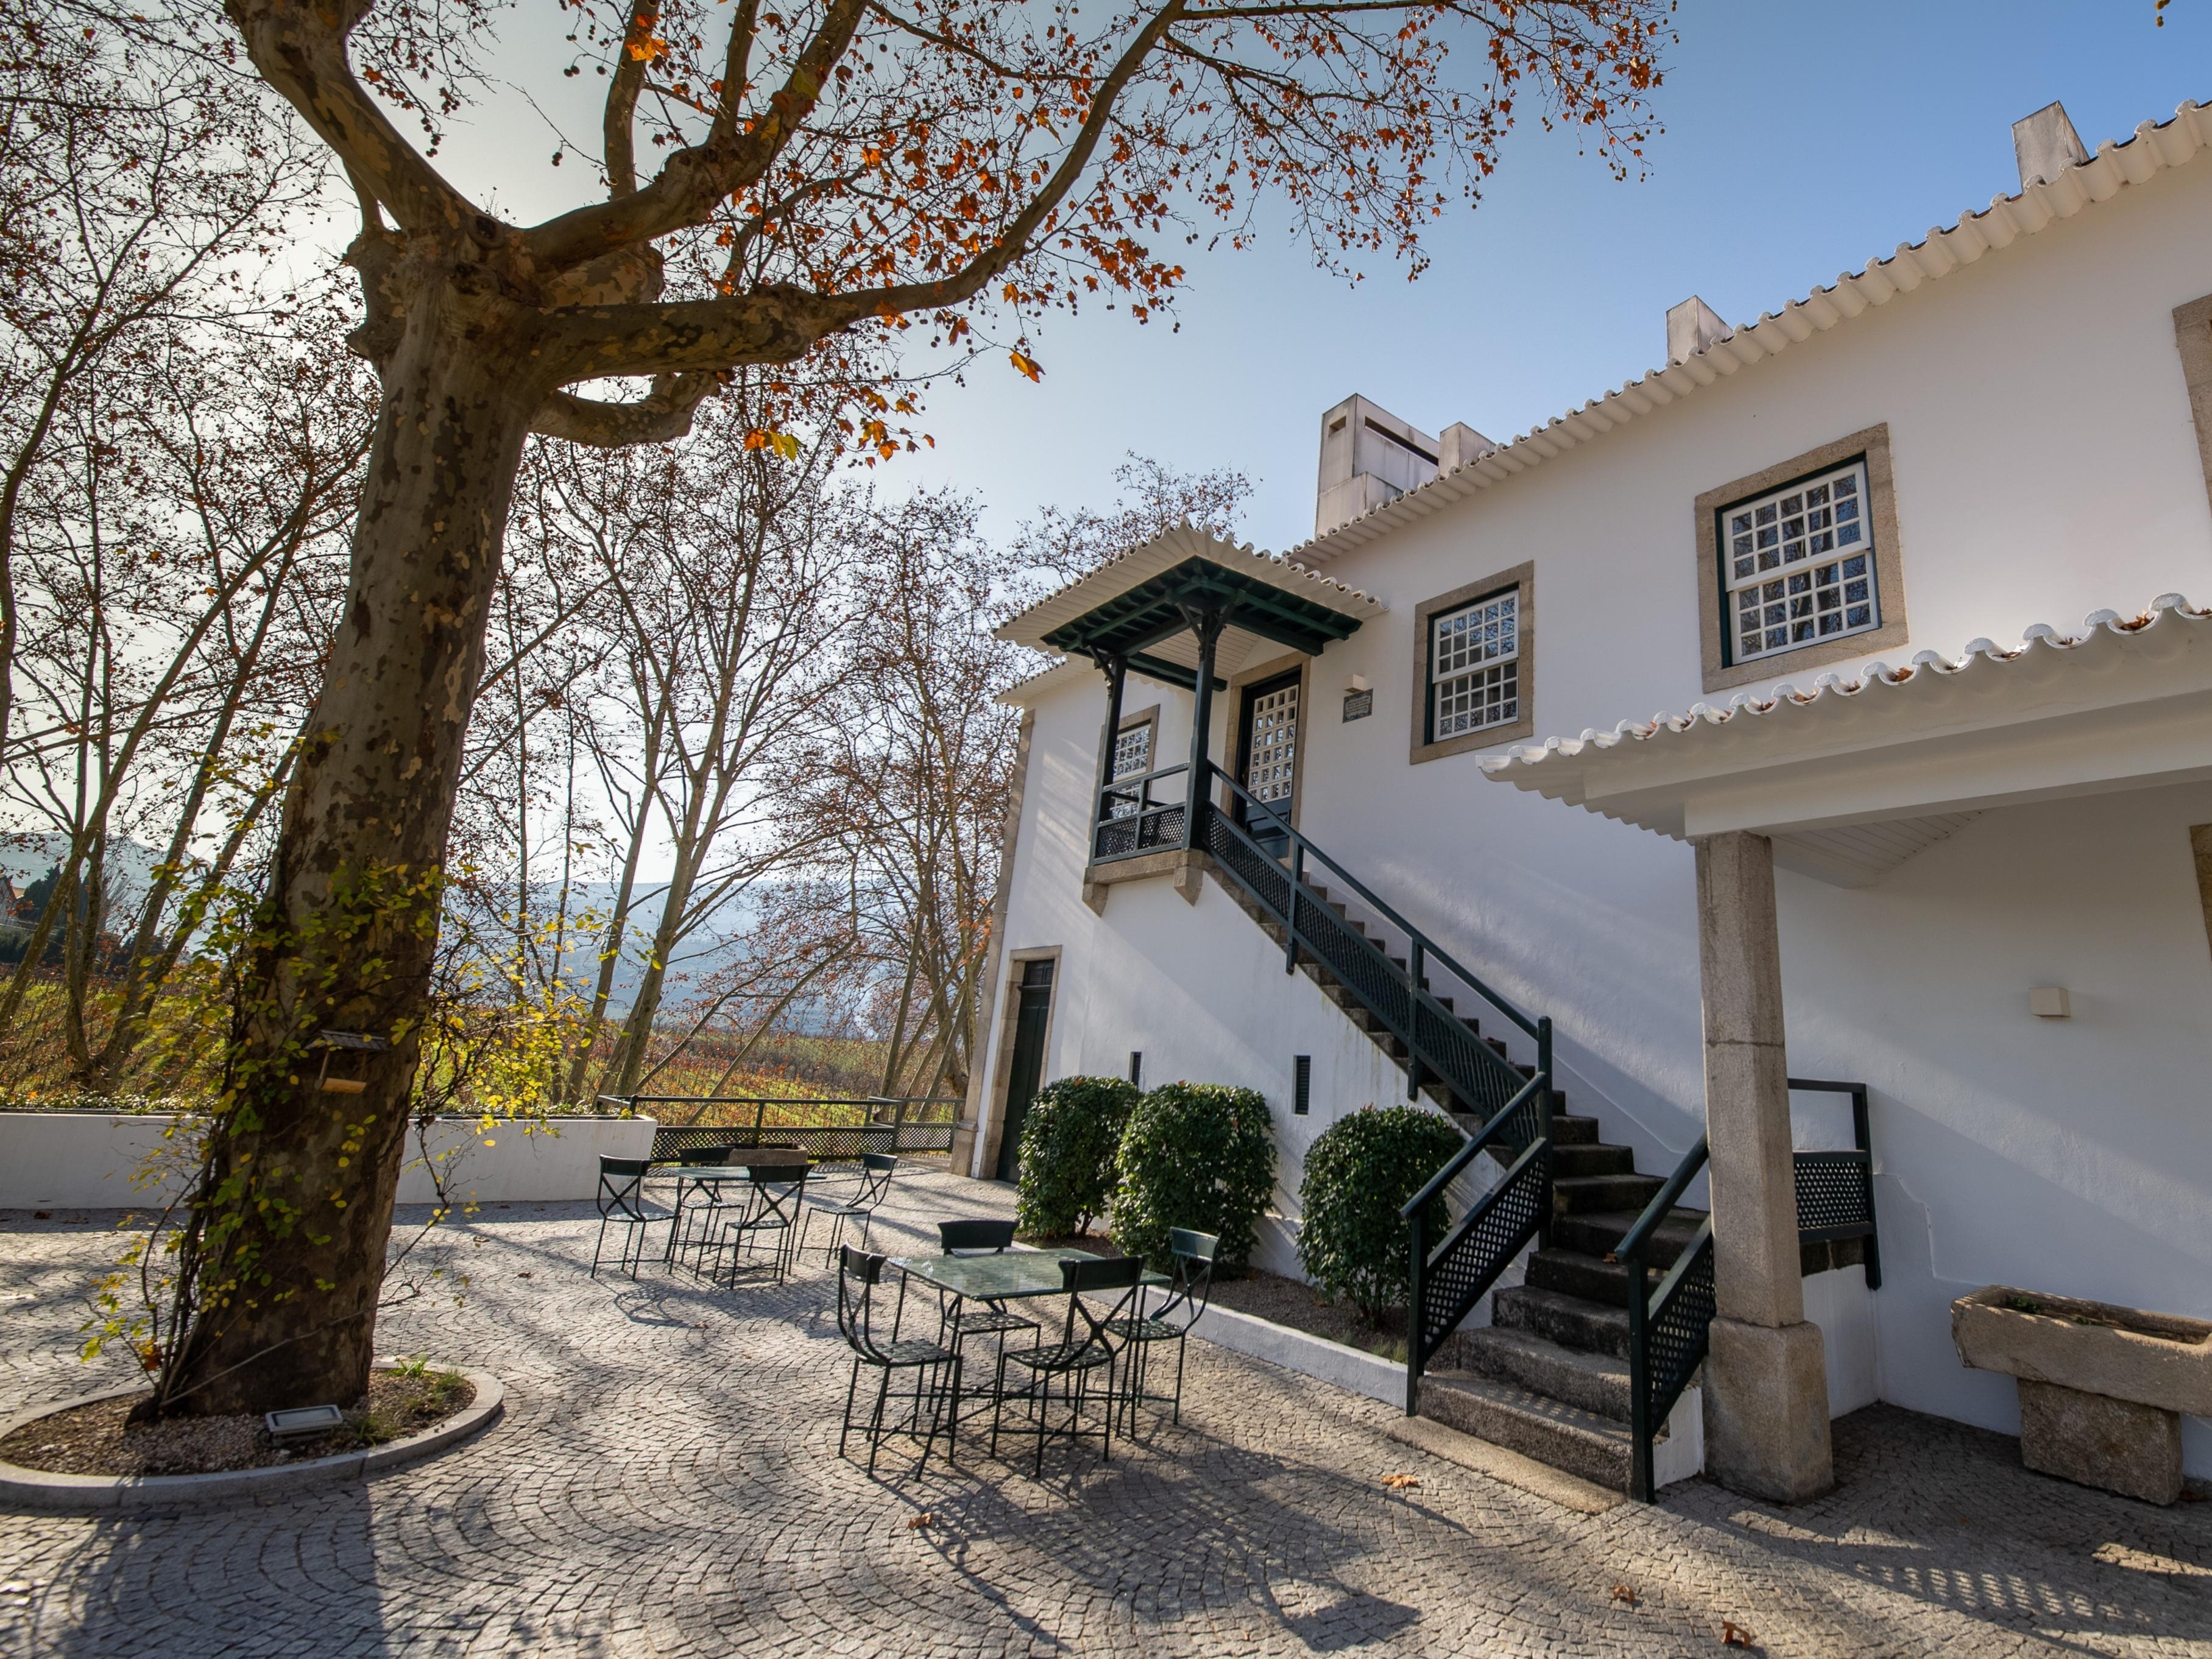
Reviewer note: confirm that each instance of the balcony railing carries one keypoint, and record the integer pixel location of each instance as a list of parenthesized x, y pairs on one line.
[(1130, 820)]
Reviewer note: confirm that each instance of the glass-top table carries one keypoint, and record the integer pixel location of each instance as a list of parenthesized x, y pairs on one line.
[(1009, 1276), (691, 1178)]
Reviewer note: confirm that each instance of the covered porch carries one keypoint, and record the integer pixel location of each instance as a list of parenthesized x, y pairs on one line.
[(1187, 610), (1847, 782)]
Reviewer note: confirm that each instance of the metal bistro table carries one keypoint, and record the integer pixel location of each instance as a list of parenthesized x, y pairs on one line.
[(691, 1178), (1011, 1275)]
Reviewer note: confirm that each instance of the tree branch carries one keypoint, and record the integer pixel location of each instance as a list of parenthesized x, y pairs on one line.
[(695, 178), (300, 51), (663, 414)]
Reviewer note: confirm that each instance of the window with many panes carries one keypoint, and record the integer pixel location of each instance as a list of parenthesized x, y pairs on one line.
[(1132, 757), (1474, 667), (1799, 565)]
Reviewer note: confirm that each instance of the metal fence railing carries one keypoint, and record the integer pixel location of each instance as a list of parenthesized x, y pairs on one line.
[(827, 1129)]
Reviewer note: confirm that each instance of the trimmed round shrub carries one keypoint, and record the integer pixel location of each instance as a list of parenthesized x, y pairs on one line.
[(1360, 1173), (1068, 1141), (1197, 1155)]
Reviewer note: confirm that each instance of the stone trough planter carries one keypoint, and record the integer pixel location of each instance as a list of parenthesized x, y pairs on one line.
[(2102, 1388), (24, 1488)]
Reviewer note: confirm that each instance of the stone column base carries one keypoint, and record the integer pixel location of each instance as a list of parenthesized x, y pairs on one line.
[(2099, 1441), (1766, 1411)]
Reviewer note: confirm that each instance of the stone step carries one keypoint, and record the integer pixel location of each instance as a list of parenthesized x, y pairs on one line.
[(1599, 1233), (1590, 1158), (1577, 1193), (1551, 1430), (1592, 1278), (1595, 1382), (1568, 1130), (1569, 1321)]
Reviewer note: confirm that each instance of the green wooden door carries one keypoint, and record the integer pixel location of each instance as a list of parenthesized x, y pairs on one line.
[(1027, 1070)]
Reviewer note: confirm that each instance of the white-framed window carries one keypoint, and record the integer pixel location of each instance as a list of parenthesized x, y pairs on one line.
[(1474, 667), (1799, 565), (1132, 757)]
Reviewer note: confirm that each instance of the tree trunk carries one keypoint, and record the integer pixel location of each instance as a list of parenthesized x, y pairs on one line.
[(287, 1235)]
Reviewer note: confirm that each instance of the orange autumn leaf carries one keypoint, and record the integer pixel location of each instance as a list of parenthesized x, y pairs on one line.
[(1027, 365)]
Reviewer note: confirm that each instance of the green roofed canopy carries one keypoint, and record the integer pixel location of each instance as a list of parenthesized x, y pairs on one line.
[(1139, 607)]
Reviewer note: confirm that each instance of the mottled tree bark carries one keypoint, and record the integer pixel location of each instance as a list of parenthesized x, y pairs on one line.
[(297, 1193)]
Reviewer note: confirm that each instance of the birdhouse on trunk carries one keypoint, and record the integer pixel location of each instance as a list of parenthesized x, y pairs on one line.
[(345, 1061)]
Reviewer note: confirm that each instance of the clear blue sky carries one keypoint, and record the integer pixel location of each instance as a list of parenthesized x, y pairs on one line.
[(1801, 140)]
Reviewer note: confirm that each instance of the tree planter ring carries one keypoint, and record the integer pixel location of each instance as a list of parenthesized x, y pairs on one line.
[(24, 1488)]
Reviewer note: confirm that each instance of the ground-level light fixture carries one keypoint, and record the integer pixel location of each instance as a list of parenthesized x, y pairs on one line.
[(302, 1423)]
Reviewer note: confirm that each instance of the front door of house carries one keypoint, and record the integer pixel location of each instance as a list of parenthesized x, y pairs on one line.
[(1267, 755), (1032, 1017)]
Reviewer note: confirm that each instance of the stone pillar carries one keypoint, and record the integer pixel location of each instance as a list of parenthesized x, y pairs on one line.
[(1766, 1383)]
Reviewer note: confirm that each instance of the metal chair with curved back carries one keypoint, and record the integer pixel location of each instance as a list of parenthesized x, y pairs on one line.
[(620, 1199), (1082, 1352), (858, 1204), (770, 1216), (697, 1217), (936, 1368), (984, 1236), (1140, 1333)]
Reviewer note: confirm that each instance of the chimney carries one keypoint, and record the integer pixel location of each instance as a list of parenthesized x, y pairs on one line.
[(1460, 444), (1692, 327), (1368, 456), (2045, 145)]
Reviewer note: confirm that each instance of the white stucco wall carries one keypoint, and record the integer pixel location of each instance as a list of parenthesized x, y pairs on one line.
[(94, 1160), (2045, 466)]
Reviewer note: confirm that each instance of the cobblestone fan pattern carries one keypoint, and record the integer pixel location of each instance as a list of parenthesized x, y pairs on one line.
[(665, 1483)]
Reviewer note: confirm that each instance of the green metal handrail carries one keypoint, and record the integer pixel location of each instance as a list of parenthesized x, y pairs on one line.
[(1681, 1310), (1443, 1287), (1422, 949), (1683, 1307)]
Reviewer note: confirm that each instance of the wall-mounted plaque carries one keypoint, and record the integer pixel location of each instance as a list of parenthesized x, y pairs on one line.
[(1358, 704)]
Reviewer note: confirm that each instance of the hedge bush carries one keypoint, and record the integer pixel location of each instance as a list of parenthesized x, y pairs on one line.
[(1197, 1155), (1068, 1141), (1360, 1173)]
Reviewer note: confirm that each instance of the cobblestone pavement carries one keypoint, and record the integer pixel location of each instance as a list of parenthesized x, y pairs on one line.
[(665, 1482)]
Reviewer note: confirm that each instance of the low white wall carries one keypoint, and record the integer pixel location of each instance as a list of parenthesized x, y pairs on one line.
[(91, 1160), (100, 1161), (515, 1162)]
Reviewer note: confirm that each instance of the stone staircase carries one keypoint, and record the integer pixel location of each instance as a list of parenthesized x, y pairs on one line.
[(1549, 1377)]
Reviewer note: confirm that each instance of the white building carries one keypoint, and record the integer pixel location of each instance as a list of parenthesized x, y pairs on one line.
[(1850, 547)]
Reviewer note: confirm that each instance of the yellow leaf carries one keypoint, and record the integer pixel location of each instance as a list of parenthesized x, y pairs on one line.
[(1027, 365)]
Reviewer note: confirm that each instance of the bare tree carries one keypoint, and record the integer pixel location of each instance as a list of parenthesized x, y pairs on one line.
[(181, 556), (141, 185), (842, 166), (1060, 545)]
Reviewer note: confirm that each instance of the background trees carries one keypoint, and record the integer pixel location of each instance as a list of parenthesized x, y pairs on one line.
[(829, 176)]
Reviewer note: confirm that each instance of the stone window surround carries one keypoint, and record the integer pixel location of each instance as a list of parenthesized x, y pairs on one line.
[(1520, 576), (966, 1131), (1226, 756), (1720, 673), (1002, 1060), (2192, 333)]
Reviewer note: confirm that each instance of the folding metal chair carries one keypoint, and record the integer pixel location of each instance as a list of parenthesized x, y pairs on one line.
[(771, 1216), (620, 1199), (1141, 1333), (936, 1368), (1082, 1352), (858, 1204)]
